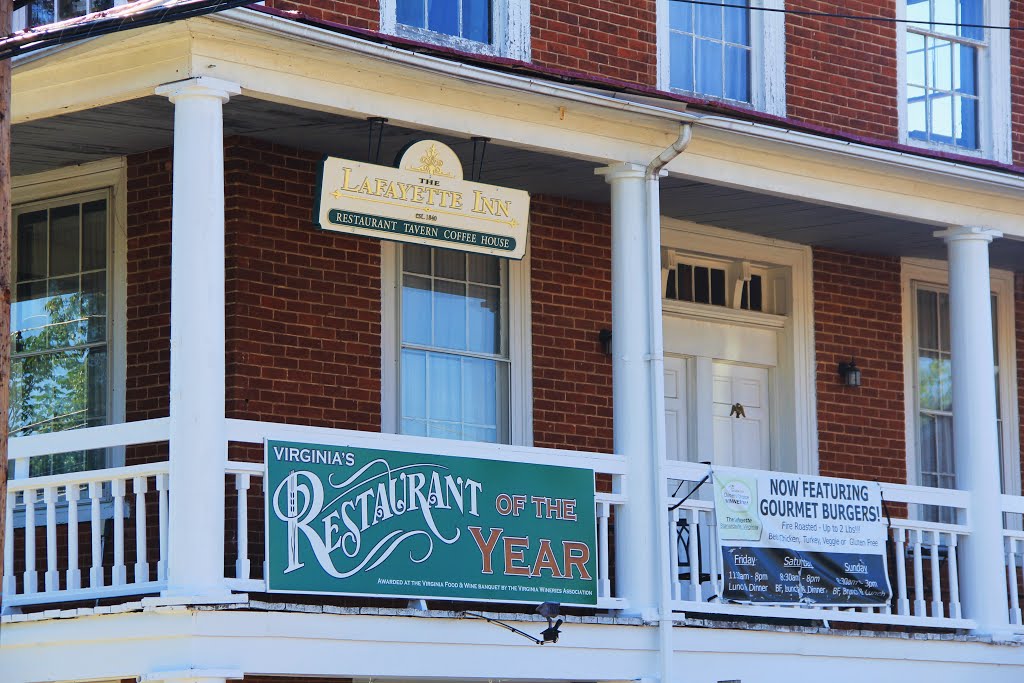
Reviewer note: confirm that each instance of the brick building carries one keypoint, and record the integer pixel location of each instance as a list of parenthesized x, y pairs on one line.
[(783, 237)]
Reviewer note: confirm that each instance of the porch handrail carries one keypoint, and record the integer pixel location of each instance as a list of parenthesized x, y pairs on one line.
[(89, 438)]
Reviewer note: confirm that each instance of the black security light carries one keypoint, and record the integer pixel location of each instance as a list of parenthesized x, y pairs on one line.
[(605, 337), (548, 610), (850, 373)]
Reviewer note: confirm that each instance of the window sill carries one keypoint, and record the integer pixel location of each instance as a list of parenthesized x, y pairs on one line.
[(423, 35)]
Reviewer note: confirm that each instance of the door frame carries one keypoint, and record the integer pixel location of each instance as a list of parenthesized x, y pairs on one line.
[(792, 381)]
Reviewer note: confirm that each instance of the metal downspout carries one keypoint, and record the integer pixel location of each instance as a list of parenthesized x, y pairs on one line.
[(657, 383)]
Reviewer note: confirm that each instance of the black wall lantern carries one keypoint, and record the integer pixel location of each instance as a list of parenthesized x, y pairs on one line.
[(850, 373), (605, 337)]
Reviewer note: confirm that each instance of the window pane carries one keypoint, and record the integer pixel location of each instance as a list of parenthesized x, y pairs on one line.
[(416, 313), (94, 235), (944, 342), (944, 11), (685, 282), (946, 468), (737, 68), (972, 12), (443, 16), (917, 113), (966, 122), (449, 264), (709, 21), (929, 460), (718, 287), (484, 269), (414, 384), (32, 245), (964, 78), (929, 378), (484, 310), (411, 13), (680, 16), (449, 314), (915, 59), (72, 8), (681, 60), (49, 392), (737, 28), (709, 68), (416, 259), (480, 389), (701, 285), (476, 20), (940, 64), (94, 306), (444, 377), (927, 321), (941, 117), (918, 13), (40, 12), (64, 240)]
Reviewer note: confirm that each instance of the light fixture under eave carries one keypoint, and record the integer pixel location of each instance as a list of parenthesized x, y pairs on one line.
[(850, 373), (605, 337)]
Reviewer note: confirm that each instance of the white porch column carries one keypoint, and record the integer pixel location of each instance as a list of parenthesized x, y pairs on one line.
[(636, 556), (975, 443), (198, 440)]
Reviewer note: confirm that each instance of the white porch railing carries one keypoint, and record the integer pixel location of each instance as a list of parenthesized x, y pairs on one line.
[(85, 535), (1013, 538), (923, 559), (249, 523)]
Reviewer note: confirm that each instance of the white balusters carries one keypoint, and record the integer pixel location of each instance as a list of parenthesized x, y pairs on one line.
[(954, 579), (161, 487), (604, 588), (693, 552), (937, 610), (1011, 579), (920, 607), (96, 529), (31, 580), (119, 574), (51, 580), (74, 575), (902, 602), (242, 491), (140, 486), (9, 578)]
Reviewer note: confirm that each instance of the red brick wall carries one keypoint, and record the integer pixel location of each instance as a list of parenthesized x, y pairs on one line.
[(363, 14), (1017, 80), (570, 252), (610, 38), (303, 305), (148, 285), (857, 313), (842, 73)]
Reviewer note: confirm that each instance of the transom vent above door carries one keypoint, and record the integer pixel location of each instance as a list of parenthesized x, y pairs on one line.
[(732, 284)]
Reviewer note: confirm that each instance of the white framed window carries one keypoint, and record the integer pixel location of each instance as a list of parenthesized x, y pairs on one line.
[(67, 310), (455, 335), (728, 51), (955, 76), (40, 12), (928, 376), (493, 27)]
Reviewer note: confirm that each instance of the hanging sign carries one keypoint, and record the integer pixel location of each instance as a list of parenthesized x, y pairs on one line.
[(788, 539), (355, 521), (424, 200)]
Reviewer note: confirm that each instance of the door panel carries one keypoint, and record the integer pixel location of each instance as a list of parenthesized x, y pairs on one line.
[(741, 416), (676, 438)]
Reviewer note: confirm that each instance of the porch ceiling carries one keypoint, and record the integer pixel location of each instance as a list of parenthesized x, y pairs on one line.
[(143, 124)]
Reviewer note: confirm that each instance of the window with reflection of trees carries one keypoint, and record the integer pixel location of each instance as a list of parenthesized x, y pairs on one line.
[(60, 327)]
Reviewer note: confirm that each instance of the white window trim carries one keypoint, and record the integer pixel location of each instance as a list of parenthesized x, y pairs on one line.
[(936, 273), (520, 335), (794, 394), (768, 57), (510, 28), (994, 123), (20, 18), (107, 175)]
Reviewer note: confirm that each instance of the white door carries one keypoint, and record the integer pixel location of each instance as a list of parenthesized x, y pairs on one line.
[(740, 412)]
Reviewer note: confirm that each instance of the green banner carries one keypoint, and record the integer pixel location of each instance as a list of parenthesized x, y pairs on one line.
[(434, 233), (356, 521)]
